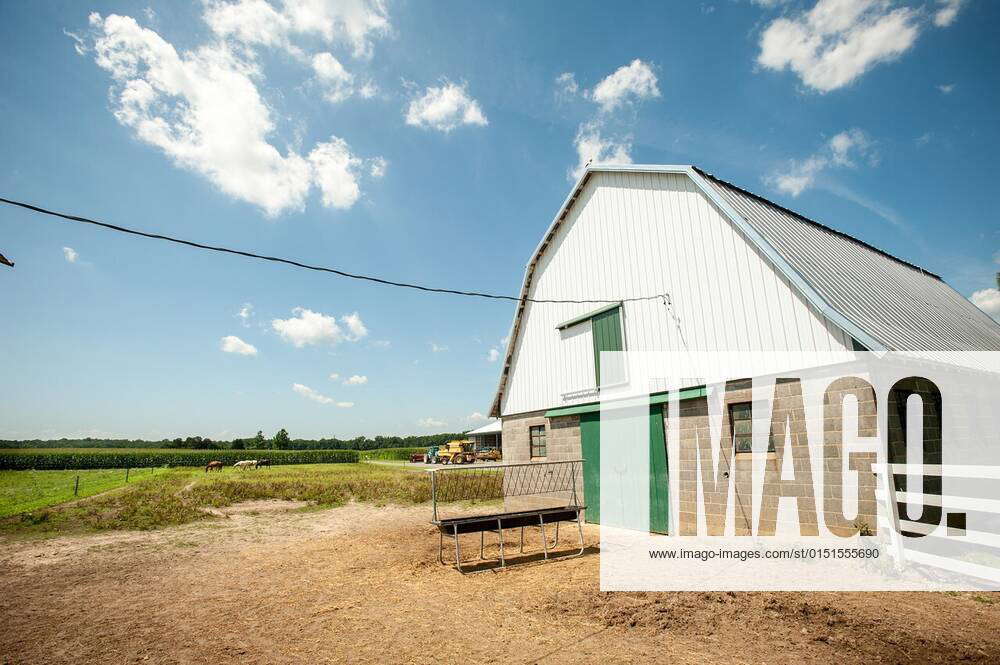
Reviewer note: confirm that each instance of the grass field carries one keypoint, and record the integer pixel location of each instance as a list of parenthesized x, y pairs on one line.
[(25, 491), (177, 496)]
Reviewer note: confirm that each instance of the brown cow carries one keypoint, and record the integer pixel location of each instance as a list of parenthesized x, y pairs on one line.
[(214, 464)]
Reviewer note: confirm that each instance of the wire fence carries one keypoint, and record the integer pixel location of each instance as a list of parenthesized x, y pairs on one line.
[(25, 491)]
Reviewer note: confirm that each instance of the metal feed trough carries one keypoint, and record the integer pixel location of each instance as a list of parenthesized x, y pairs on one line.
[(532, 494)]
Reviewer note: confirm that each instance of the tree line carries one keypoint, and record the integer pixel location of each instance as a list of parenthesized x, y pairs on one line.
[(280, 440)]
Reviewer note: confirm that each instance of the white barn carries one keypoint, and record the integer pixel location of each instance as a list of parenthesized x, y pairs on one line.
[(742, 274)]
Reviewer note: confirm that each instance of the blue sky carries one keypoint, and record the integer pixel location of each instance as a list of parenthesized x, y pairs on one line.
[(426, 142)]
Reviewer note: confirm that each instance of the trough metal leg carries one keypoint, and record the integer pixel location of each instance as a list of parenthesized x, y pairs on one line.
[(440, 546), (545, 544), (503, 562), (556, 544), (458, 551), (522, 540), (579, 524), (482, 541)]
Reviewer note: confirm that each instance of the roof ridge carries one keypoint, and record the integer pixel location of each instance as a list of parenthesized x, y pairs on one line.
[(824, 227)]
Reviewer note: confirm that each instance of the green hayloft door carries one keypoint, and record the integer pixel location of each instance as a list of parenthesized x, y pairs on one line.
[(659, 488)]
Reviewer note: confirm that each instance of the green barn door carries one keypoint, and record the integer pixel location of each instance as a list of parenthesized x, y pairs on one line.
[(659, 479), (659, 488), (606, 331), (590, 445)]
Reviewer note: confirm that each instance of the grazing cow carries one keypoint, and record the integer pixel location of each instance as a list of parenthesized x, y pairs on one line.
[(214, 464), (246, 464), (264, 462)]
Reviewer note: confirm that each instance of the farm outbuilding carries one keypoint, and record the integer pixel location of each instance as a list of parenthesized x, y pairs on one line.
[(488, 436), (742, 273)]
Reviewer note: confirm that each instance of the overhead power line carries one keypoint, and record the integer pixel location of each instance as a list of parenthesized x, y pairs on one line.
[(298, 264)]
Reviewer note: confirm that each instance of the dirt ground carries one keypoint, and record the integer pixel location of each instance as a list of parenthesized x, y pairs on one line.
[(361, 584)]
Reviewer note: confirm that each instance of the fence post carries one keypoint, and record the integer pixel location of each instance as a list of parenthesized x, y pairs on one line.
[(126, 474), (76, 487)]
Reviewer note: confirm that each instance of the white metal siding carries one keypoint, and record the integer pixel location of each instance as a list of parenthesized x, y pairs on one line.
[(638, 234)]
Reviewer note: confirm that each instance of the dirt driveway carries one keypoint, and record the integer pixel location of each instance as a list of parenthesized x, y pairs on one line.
[(361, 584)]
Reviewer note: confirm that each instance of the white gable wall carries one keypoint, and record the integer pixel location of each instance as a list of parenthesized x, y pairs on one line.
[(638, 234)]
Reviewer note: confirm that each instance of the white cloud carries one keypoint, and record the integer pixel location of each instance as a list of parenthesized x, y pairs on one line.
[(354, 23), (70, 254), (381, 343), (592, 146), (203, 109), (355, 326), (337, 82), (476, 417), (635, 80), (595, 140), (79, 44), (435, 348), (334, 171), (847, 142), (356, 380), (334, 376), (233, 344), (245, 314), (311, 328), (309, 393), (493, 355), (444, 108), (837, 41), (840, 151), (924, 139), (566, 85), (946, 88), (377, 167), (947, 13), (988, 300), (253, 22), (431, 422)]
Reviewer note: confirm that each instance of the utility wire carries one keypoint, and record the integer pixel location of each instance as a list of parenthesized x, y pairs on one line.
[(297, 264)]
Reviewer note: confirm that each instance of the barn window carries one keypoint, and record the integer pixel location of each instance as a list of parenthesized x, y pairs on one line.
[(537, 435), (741, 426)]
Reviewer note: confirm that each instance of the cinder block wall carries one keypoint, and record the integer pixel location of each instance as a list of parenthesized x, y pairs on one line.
[(562, 442), (694, 424), (516, 438)]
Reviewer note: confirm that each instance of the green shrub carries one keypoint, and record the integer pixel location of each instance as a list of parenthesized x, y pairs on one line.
[(19, 460)]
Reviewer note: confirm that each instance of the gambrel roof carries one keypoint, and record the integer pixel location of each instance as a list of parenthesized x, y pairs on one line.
[(883, 302)]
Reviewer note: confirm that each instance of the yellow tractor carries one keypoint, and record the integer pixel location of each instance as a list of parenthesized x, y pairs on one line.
[(456, 452)]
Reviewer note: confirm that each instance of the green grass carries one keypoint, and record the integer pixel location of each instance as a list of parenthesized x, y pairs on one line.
[(25, 491), (178, 496)]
